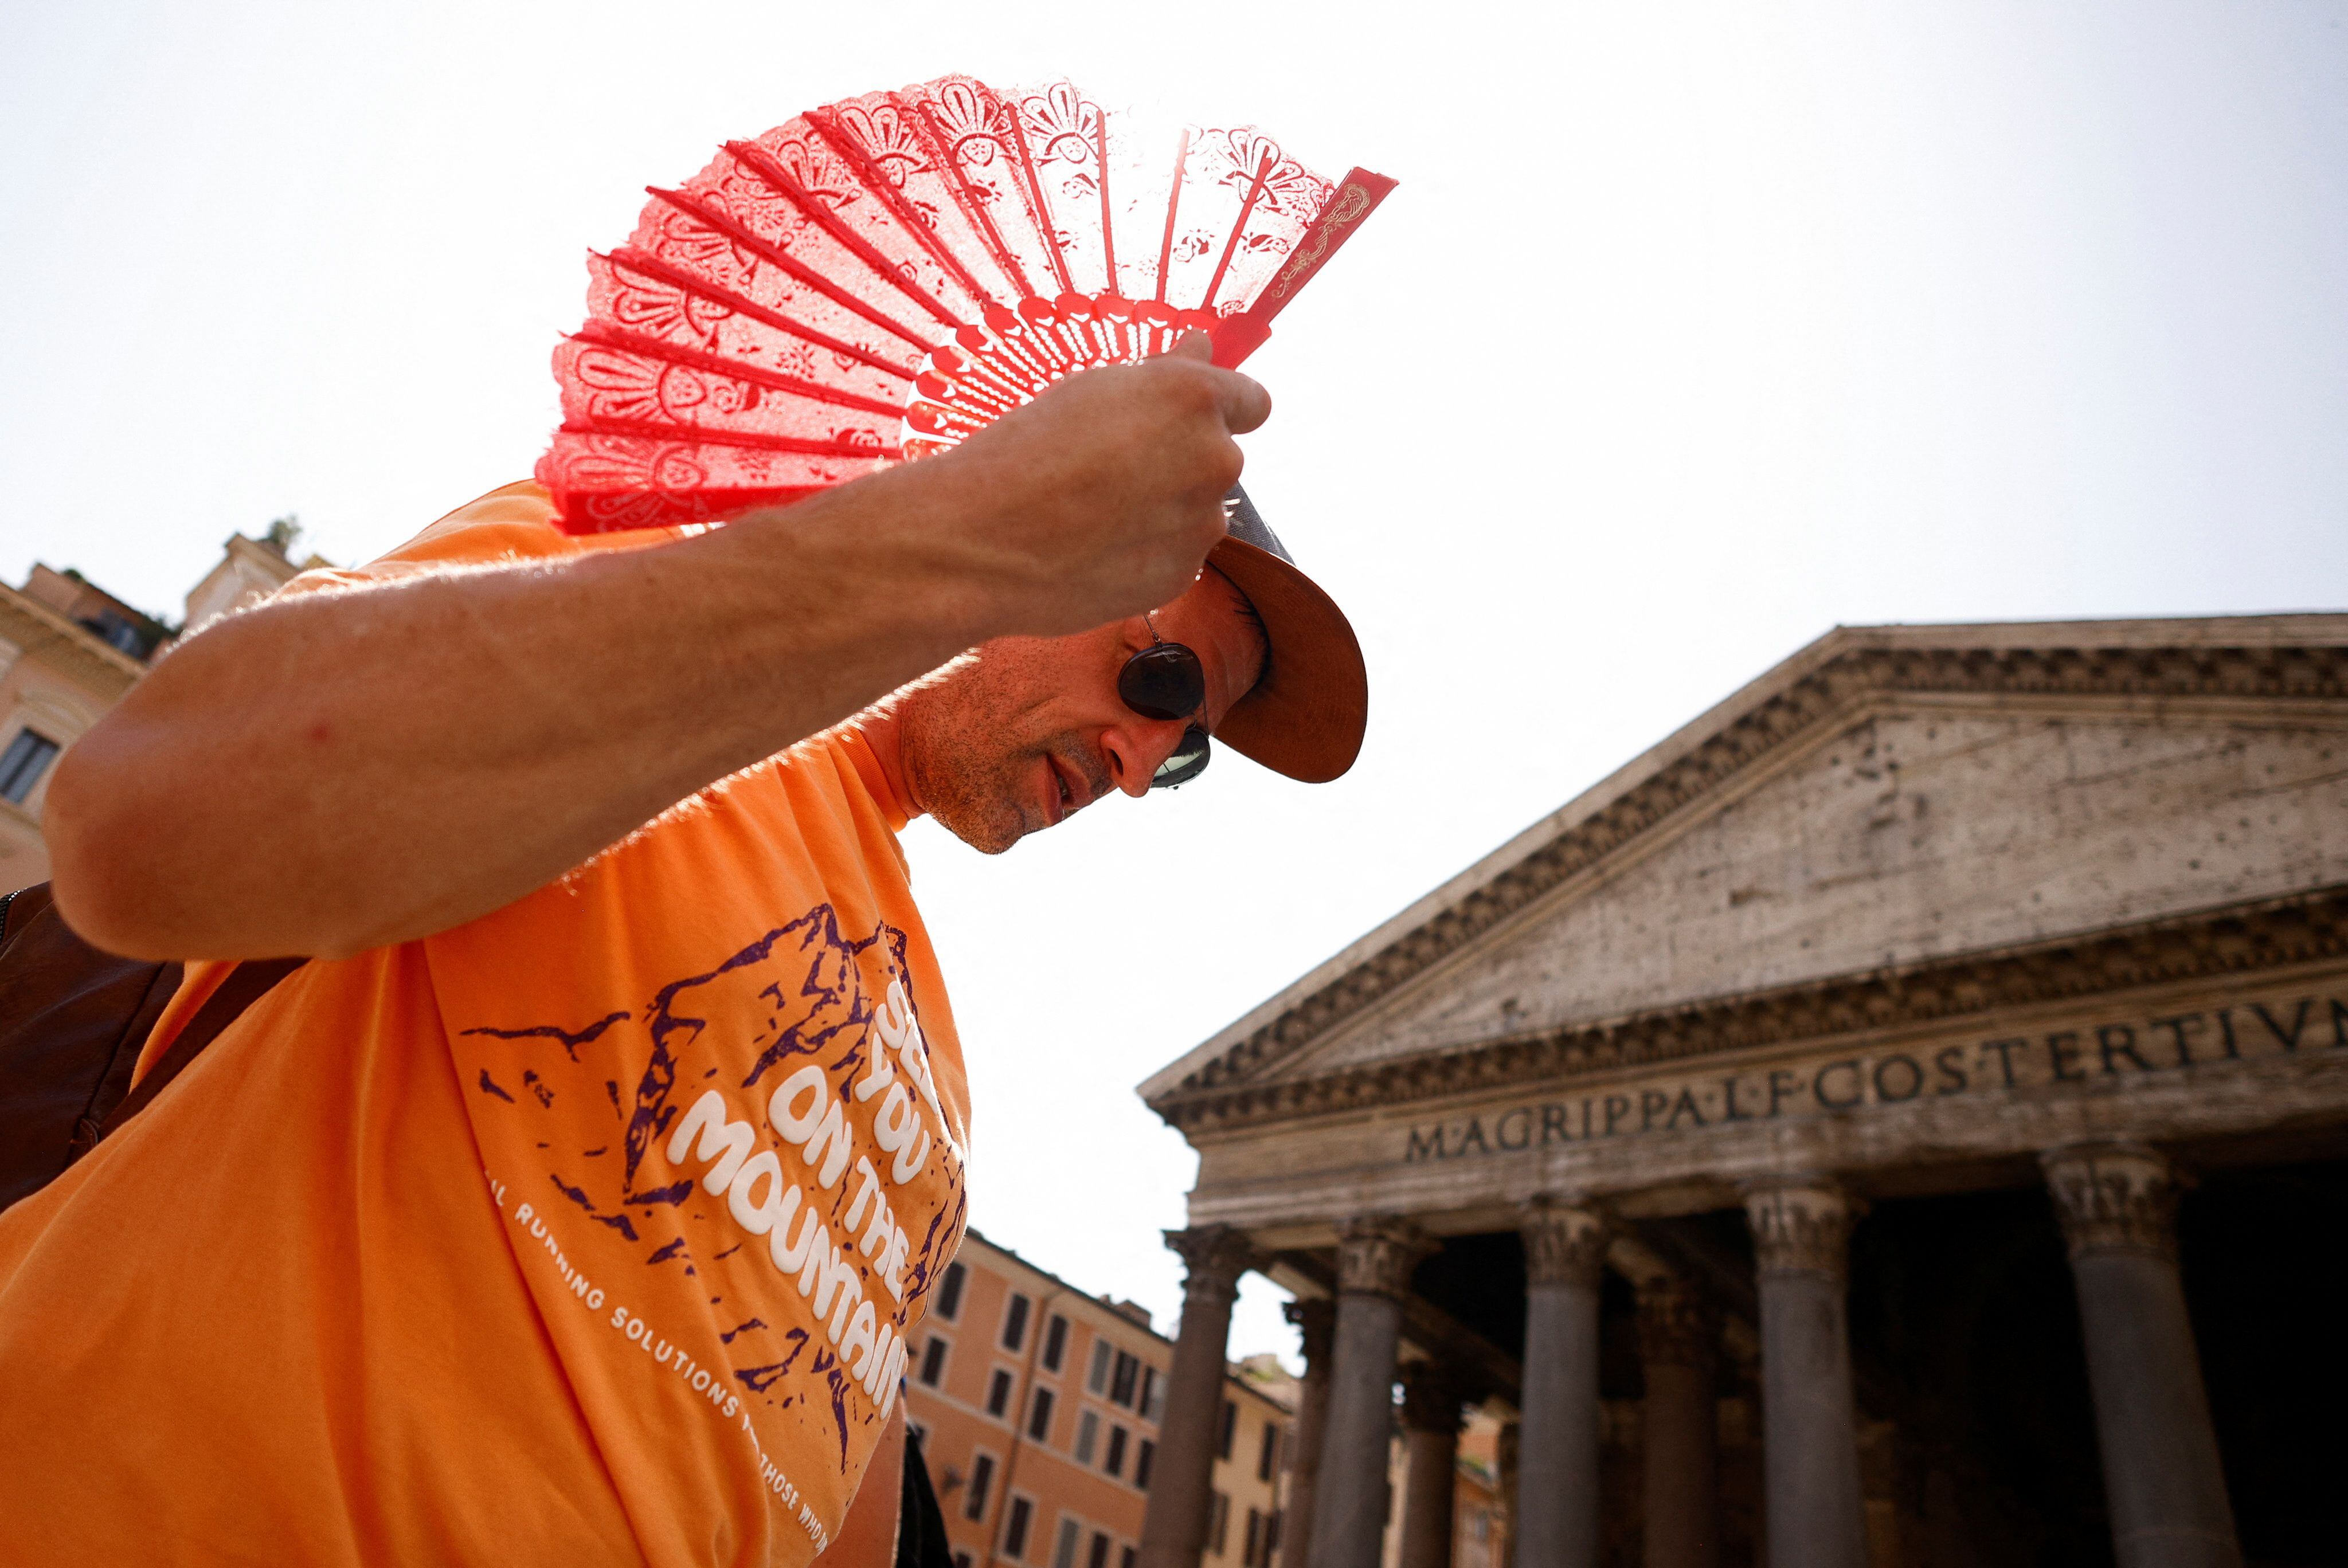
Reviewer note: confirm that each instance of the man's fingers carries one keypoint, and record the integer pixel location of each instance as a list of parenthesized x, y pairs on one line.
[(1242, 401)]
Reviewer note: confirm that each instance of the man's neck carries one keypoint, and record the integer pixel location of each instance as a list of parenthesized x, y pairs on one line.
[(879, 726)]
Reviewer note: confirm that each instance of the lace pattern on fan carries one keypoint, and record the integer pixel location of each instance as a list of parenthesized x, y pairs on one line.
[(877, 279)]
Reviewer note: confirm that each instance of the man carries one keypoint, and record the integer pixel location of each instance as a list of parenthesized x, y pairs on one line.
[(574, 1203)]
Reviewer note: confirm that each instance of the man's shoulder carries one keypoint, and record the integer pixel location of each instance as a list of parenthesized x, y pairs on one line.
[(523, 510), (512, 523)]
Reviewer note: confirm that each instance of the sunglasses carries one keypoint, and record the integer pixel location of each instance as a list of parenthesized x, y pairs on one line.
[(1165, 681)]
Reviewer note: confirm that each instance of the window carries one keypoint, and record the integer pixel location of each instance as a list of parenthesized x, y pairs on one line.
[(1039, 1415), (1263, 1539), (1097, 1381), (950, 1292), (116, 633), (1219, 1524), (1088, 1436), (1148, 1452), (1098, 1557), (1229, 1430), (1153, 1394), (1115, 1461), (1120, 1386), (998, 1393), (1125, 1559), (1015, 1323), (1072, 1534), (1014, 1527), (962, 1560), (982, 1476), (22, 765), (1056, 1342), (934, 1361), (1269, 1455)]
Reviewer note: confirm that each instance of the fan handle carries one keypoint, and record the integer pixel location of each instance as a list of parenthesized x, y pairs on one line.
[(1355, 198)]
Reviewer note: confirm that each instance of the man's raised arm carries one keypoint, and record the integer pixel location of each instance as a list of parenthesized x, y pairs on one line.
[(339, 770)]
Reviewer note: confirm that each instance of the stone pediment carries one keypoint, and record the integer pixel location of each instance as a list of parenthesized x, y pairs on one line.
[(1888, 800)]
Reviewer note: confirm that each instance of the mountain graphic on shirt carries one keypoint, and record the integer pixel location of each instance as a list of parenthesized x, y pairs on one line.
[(599, 1099)]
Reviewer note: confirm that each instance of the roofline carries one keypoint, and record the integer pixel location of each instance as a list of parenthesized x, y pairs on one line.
[(2297, 628), (76, 640)]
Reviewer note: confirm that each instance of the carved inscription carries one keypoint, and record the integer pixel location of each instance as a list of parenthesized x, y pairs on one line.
[(1867, 1080)]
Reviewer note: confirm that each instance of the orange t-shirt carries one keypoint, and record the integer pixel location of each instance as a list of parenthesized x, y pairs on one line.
[(587, 1232)]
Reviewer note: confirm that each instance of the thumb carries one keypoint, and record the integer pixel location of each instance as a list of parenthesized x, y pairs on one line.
[(1242, 402)]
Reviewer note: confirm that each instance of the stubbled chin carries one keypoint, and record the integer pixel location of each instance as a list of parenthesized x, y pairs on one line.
[(975, 791), (990, 829)]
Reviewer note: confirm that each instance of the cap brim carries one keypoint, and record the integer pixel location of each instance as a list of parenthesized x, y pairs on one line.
[(1306, 716)]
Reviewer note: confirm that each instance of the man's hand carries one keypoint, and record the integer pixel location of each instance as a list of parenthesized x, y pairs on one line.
[(337, 772), (1107, 492)]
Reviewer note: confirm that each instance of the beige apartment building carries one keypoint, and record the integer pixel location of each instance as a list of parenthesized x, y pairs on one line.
[(69, 649), (1037, 1405), (1480, 1523)]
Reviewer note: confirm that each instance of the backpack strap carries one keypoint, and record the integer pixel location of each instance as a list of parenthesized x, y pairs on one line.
[(245, 985)]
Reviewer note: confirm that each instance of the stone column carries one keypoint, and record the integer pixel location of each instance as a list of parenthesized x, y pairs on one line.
[(1174, 1525), (1509, 1435), (1556, 1439), (1431, 1396), (1677, 1339), (2162, 1479), (1374, 1257), (1316, 1320), (1809, 1430)]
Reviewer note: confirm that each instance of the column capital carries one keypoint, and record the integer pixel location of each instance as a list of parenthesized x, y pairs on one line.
[(1315, 1317), (1432, 1395), (1216, 1257), (1801, 1224), (1565, 1243), (1677, 1327), (1376, 1254), (2114, 1197)]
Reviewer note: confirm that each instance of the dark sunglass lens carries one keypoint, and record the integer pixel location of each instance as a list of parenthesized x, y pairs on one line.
[(1162, 682), (1187, 762)]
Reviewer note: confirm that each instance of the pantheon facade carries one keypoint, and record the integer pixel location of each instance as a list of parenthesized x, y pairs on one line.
[(1900, 1119)]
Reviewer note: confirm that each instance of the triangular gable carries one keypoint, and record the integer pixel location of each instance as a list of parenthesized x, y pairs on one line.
[(1790, 834)]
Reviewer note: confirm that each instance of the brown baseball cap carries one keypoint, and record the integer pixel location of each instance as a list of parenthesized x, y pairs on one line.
[(1304, 716)]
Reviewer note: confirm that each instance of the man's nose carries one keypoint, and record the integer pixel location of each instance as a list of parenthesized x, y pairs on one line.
[(1138, 748)]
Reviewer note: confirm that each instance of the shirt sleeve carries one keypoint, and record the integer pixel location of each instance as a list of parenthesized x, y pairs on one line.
[(512, 523)]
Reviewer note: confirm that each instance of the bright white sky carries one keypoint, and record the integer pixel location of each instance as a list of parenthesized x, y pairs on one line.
[(1693, 331)]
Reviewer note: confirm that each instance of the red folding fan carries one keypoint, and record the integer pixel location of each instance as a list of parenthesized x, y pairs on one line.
[(875, 280)]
